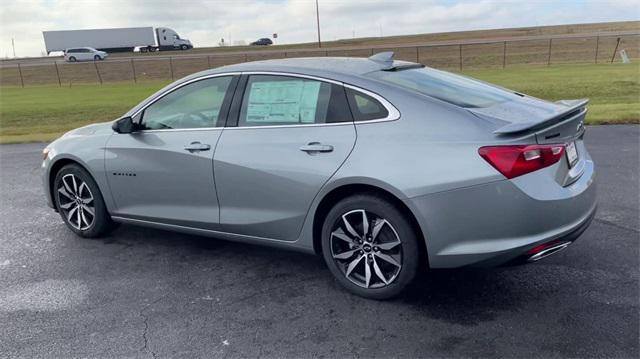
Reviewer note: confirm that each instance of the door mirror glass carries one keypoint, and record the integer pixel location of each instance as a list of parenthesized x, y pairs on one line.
[(125, 125)]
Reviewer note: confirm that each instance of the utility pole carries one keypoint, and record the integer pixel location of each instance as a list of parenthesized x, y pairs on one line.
[(13, 45), (318, 22)]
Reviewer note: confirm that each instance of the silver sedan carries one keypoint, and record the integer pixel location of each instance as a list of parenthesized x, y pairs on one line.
[(383, 167)]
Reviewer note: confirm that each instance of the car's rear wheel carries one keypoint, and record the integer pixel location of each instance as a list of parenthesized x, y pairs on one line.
[(80, 203), (370, 247)]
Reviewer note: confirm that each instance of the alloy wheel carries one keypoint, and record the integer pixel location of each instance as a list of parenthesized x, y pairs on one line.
[(76, 202), (366, 249)]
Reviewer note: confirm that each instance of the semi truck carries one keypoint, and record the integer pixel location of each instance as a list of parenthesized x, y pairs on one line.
[(116, 40)]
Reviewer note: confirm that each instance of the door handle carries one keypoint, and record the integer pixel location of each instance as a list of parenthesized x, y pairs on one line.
[(315, 147), (197, 146)]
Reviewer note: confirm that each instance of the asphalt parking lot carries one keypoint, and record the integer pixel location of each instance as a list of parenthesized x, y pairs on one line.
[(143, 292)]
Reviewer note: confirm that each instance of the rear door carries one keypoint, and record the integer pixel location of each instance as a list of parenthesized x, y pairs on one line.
[(85, 54), (287, 137), (164, 173)]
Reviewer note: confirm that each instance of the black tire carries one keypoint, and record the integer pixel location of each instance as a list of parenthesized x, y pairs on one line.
[(72, 59), (407, 251), (97, 58), (184, 47), (101, 222)]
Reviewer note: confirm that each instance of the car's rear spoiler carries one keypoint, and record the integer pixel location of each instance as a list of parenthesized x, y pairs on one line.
[(573, 107)]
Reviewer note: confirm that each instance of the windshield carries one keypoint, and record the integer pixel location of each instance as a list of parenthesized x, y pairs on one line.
[(454, 89)]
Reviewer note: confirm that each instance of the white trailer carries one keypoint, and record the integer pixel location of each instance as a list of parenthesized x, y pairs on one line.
[(116, 40)]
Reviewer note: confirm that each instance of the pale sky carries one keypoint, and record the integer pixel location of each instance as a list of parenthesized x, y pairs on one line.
[(206, 22)]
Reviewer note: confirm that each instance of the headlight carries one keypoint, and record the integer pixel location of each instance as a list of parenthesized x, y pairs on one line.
[(45, 153)]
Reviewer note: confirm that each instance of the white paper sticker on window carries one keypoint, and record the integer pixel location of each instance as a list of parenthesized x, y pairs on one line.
[(283, 101)]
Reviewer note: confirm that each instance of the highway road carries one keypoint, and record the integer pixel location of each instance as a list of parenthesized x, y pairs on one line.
[(199, 53)]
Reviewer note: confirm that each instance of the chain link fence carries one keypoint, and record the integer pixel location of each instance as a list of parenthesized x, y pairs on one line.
[(456, 56)]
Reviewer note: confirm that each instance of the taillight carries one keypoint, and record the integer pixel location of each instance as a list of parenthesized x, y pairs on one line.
[(514, 161)]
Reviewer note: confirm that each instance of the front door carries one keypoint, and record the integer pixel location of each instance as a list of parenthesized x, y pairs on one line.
[(164, 173), (291, 135)]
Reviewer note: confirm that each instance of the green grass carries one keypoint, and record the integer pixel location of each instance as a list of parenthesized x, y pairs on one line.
[(613, 89), (44, 113)]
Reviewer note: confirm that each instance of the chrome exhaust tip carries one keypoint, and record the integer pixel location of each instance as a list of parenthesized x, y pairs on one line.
[(548, 251)]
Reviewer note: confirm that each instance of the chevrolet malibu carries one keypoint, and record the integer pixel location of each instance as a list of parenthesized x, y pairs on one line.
[(380, 166)]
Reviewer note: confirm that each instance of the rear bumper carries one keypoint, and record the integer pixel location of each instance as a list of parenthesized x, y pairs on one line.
[(498, 222), (566, 239)]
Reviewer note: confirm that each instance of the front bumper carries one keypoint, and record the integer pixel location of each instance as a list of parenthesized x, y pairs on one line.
[(46, 185), (497, 222)]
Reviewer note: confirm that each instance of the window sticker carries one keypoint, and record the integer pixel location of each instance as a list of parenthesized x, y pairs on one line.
[(283, 101)]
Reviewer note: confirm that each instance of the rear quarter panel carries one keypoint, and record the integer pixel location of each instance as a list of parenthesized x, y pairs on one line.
[(432, 147)]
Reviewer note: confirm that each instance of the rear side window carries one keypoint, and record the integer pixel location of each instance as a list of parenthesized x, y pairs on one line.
[(454, 89), (282, 100), (365, 107)]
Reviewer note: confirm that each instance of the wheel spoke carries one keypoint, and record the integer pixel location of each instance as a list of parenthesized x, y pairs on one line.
[(339, 233), (377, 227), (378, 272), (353, 265), (78, 217), (75, 185), (346, 254), (367, 274), (88, 209), (387, 258), (388, 245), (63, 191), (66, 186), (81, 188), (365, 224), (84, 218), (350, 229), (67, 205), (71, 213)]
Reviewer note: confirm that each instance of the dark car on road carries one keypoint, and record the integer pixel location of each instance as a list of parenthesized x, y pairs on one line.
[(264, 42)]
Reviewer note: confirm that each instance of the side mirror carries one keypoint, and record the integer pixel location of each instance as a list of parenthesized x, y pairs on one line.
[(125, 125)]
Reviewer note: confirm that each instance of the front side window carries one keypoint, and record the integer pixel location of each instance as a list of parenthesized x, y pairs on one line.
[(196, 105), (283, 100)]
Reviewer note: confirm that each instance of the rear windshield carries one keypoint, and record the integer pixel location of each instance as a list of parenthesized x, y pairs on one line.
[(454, 89)]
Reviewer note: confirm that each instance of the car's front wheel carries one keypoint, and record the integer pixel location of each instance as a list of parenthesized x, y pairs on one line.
[(72, 59), (80, 203), (370, 246)]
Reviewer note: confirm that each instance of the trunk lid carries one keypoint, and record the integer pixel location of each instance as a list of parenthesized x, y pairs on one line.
[(551, 122)]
